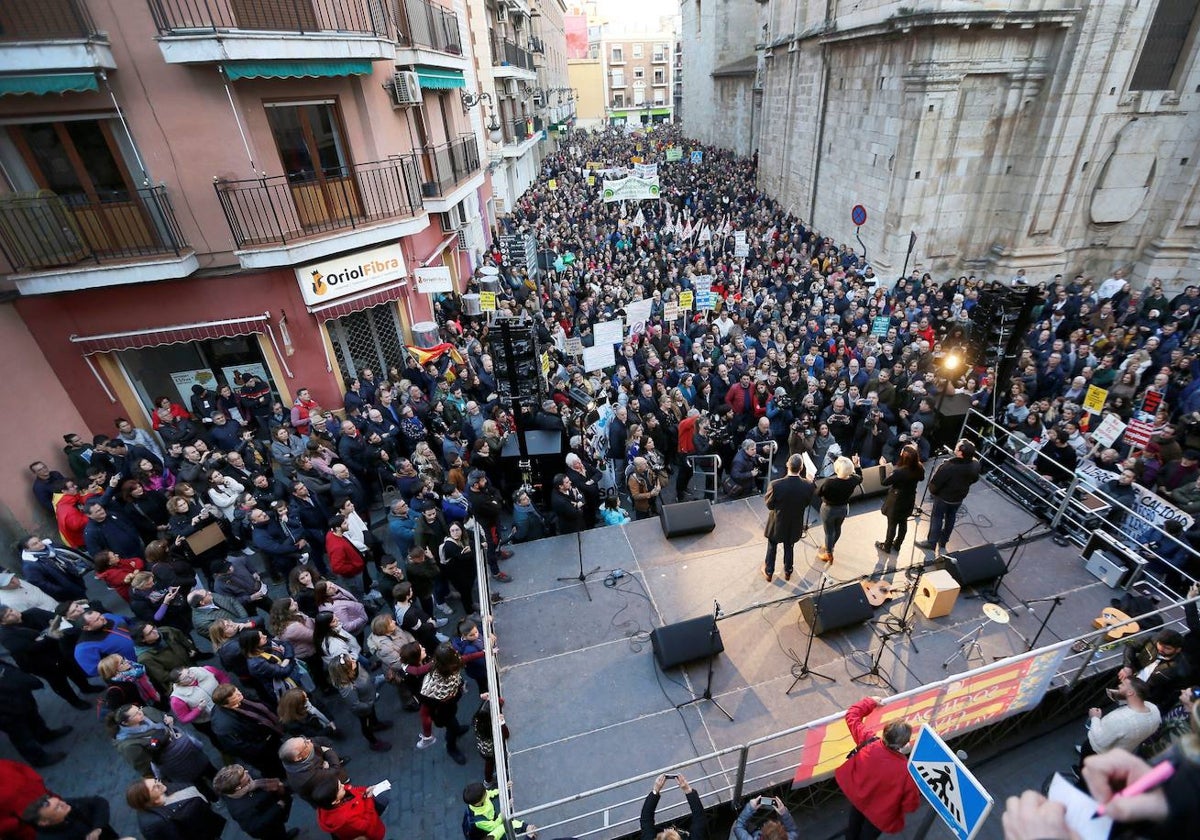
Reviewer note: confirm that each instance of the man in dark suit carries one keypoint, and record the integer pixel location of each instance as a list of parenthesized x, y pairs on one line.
[(787, 503)]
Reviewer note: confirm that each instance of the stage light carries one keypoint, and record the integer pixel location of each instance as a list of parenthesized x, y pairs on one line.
[(951, 363)]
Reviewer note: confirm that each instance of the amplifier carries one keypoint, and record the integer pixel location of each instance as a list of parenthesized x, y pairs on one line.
[(1102, 566)]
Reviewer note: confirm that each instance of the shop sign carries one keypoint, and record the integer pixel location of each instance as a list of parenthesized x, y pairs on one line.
[(344, 275), (434, 279)]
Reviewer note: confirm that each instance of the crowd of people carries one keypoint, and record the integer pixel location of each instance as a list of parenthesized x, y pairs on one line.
[(274, 565)]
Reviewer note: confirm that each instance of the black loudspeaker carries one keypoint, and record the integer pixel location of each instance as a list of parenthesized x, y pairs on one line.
[(978, 564), (839, 608), (675, 644), (683, 518)]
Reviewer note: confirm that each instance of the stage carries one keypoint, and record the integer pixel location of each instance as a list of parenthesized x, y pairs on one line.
[(587, 704)]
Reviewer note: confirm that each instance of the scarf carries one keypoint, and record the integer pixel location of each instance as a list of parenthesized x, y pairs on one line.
[(439, 687), (136, 675), (127, 732), (260, 714)]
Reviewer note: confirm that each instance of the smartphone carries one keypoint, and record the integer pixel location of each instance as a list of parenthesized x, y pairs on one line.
[(671, 776)]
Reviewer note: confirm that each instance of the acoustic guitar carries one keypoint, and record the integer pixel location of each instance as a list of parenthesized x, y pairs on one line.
[(1118, 624), (880, 592)]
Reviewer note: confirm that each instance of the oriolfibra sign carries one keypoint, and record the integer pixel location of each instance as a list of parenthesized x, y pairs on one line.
[(349, 273)]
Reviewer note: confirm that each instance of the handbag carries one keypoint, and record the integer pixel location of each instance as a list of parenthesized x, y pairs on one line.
[(855, 751)]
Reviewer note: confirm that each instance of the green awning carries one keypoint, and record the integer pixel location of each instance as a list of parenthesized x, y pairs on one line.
[(295, 69), (47, 83), (438, 78)]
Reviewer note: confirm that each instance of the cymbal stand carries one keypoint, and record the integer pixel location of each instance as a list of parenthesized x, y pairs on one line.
[(968, 646), (804, 671)]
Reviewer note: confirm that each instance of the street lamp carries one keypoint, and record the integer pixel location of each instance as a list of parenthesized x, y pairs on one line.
[(470, 100)]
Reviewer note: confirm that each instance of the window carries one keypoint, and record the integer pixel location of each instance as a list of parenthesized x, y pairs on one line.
[(639, 96), (660, 53), (594, 51), (637, 50), (618, 55), (309, 140), (660, 77), (639, 72), (1165, 40), (79, 160), (659, 98), (618, 78), (618, 100)]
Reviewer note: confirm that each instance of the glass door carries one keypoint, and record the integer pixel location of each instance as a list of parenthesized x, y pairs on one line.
[(316, 162)]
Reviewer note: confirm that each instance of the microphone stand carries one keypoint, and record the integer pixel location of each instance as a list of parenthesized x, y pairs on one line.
[(708, 695), (1054, 600), (876, 659), (805, 671), (583, 576)]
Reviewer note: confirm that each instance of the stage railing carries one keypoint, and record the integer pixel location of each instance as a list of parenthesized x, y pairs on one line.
[(767, 762)]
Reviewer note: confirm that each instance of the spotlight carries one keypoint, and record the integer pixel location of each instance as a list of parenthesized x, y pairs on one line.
[(951, 363)]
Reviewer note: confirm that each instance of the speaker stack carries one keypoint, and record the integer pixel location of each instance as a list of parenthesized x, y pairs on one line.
[(685, 641), (513, 347), (999, 321)]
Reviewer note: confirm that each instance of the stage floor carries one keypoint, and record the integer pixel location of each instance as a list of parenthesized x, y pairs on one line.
[(587, 705)]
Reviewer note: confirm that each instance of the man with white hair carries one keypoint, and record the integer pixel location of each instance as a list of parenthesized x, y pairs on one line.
[(587, 482)]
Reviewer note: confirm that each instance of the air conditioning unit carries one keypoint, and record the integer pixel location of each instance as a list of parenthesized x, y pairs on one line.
[(406, 89), (461, 242), (511, 89), (455, 219)]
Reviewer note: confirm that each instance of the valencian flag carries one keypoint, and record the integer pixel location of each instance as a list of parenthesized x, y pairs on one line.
[(425, 355)]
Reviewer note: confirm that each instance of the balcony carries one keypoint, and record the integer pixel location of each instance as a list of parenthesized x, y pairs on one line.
[(213, 31), (448, 172), (37, 36), (427, 34), (285, 219), (510, 61), (66, 242)]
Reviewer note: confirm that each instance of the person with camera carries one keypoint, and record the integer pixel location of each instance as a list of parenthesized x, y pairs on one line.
[(697, 829), (644, 488), (765, 818)]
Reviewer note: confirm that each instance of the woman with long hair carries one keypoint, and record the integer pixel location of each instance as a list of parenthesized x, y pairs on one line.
[(173, 812), (301, 718), (223, 633), (359, 689), (386, 643), (146, 509), (302, 586), (457, 557), (287, 623), (901, 497), (131, 676), (441, 689), (152, 477), (272, 663), (331, 641)]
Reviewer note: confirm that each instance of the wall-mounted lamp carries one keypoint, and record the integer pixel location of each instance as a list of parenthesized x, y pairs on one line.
[(470, 100)]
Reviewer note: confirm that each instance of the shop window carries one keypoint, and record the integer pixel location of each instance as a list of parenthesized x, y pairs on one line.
[(367, 339)]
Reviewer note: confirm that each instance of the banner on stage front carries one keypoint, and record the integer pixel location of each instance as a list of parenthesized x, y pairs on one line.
[(631, 189)]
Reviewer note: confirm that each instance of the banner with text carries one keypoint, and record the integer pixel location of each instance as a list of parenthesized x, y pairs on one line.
[(631, 189)]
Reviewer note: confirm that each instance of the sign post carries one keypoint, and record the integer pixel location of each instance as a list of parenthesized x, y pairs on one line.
[(858, 215), (949, 787)]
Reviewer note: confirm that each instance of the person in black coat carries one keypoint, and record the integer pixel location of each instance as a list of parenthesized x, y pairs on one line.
[(20, 719), (567, 503), (949, 487), (697, 828), (172, 812), (787, 502), (247, 730), (260, 806), (77, 818), (835, 493), (25, 635), (901, 497)]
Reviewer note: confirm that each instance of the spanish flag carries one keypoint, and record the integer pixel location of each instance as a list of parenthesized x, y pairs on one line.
[(426, 355)]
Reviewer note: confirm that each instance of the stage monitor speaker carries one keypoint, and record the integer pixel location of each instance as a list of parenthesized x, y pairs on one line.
[(978, 564), (838, 608), (684, 641), (684, 518)]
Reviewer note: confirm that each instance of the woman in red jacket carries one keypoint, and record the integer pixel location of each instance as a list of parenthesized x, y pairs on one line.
[(875, 779), (347, 811)]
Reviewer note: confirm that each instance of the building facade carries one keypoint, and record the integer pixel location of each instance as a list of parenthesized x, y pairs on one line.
[(639, 77), (191, 193), (1047, 135), (718, 49)]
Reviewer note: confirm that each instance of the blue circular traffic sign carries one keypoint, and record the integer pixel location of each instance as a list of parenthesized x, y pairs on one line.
[(858, 214)]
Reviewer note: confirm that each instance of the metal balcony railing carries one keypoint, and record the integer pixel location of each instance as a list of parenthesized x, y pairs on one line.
[(304, 17), (422, 23), (44, 230), (446, 166), (506, 53), (284, 208), (517, 130), (45, 20)]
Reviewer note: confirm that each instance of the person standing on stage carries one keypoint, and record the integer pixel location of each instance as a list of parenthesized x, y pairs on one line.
[(949, 487), (787, 503), (901, 497), (874, 777), (835, 495)]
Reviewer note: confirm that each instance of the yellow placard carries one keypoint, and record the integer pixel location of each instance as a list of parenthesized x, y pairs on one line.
[(487, 301), (591, 180), (1094, 399), (636, 159), (685, 299), (552, 184), (545, 364), (594, 164)]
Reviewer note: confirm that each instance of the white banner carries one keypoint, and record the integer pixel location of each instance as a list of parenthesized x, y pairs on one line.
[(631, 189), (1147, 504), (646, 170), (608, 333), (638, 311), (597, 358), (434, 279), (741, 248)]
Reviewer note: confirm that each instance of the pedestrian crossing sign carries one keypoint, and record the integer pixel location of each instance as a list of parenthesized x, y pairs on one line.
[(956, 795)]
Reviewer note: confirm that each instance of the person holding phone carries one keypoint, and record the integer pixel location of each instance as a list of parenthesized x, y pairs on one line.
[(697, 830), (778, 824)]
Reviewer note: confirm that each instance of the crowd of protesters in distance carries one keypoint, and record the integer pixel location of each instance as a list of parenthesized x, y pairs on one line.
[(278, 566)]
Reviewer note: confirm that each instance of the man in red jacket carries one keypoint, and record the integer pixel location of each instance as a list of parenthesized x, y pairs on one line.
[(345, 560), (875, 779), (347, 811)]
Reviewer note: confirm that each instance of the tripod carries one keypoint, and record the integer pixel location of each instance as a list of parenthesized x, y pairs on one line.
[(1054, 602), (805, 671), (876, 659), (583, 576), (712, 645), (968, 646)]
